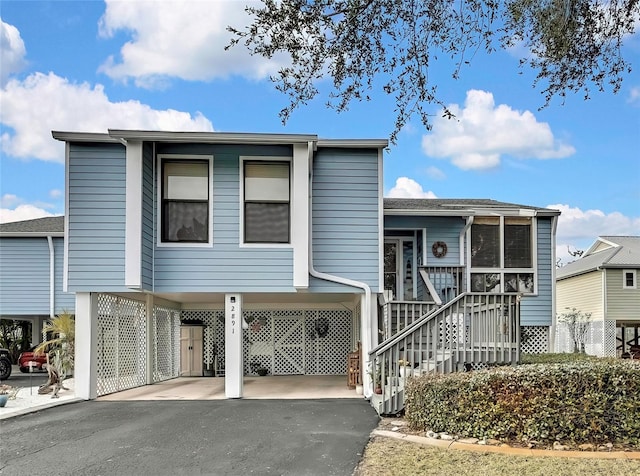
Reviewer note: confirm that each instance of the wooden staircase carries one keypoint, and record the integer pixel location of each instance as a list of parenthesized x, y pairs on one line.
[(474, 330)]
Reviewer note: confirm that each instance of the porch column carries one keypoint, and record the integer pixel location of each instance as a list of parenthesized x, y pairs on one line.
[(234, 372), (368, 323), (85, 371)]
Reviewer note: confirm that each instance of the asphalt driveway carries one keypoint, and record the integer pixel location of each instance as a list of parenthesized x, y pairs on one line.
[(216, 437)]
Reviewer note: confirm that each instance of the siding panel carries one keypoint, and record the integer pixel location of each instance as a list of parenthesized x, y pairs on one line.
[(345, 218), (96, 212), (622, 304)]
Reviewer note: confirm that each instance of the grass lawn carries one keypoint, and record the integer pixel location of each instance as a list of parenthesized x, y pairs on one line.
[(388, 456)]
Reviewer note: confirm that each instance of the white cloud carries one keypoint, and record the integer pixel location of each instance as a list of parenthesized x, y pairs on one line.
[(578, 229), (408, 188), (12, 51), (435, 173), (634, 95), (179, 39), (56, 193), (22, 212), (482, 132), (41, 103)]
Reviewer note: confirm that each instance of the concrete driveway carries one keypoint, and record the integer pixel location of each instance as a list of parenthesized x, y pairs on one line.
[(214, 437)]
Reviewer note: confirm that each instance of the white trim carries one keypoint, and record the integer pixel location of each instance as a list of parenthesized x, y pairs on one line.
[(624, 279), (159, 178), (552, 330), (299, 213), (86, 361), (380, 225), (258, 158), (133, 217), (52, 278), (65, 245)]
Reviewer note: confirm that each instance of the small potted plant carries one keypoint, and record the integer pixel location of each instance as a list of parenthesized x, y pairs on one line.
[(405, 368)]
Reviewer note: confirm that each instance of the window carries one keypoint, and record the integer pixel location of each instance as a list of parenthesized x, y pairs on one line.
[(629, 279), (266, 202), (185, 201), (485, 243), (502, 255), (517, 242)]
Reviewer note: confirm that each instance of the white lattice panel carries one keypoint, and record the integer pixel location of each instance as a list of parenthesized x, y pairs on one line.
[(452, 330), (534, 339), (289, 342), (121, 335), (609, 338), (288, 345), (166, 343), (258, 342), (328, 355)]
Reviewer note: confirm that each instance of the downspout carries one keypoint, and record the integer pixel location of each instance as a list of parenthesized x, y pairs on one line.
[(52, 277), (464, 254), (365, 332)]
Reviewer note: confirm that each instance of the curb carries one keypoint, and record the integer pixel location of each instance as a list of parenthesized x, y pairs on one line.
[(457, 445), (14, 412)]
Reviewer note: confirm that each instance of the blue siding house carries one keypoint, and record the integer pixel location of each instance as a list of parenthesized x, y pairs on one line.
[(31, 272), (231, 254)]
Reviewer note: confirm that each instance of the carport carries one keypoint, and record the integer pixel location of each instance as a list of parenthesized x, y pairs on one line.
[(277, 387)]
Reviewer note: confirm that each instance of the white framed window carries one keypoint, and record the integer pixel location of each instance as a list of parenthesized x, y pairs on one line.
[(185, 205), (502, 255), (266, 201), (629, 279)]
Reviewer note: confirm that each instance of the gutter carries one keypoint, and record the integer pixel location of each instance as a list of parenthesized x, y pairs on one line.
[(463, 250)]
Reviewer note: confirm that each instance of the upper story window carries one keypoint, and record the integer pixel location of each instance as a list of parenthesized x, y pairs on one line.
[(629, 279), (502, 254), (186, 200), (267, 211)]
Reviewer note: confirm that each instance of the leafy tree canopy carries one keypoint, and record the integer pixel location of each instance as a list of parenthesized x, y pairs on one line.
[(573, 45)]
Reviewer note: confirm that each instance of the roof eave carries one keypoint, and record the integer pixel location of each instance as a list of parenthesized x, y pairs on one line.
[(31, 234), (213, 137)]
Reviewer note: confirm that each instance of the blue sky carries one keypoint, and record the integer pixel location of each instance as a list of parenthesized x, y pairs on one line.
[(91, 65)]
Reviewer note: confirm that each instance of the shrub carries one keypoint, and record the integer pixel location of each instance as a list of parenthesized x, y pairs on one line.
[(554, 358), (586, 401)]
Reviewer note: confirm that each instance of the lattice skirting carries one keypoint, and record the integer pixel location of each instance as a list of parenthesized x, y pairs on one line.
[(166, 343), (122, 338), (534, 339), (285, 342)]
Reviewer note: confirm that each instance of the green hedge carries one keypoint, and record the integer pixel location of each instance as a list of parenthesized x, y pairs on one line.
[(587, 401), (554, 358)]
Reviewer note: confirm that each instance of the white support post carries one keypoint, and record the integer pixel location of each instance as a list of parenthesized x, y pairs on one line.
[(234, 371), (367, 325), (85, 372), (150, 338)]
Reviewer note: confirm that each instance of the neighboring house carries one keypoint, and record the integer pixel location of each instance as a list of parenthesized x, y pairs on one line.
[(31, 268), (603, 282), (226, 254)]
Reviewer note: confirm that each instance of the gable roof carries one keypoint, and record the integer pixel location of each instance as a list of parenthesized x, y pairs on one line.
[(47, 226), (606, 252), (460, 207)]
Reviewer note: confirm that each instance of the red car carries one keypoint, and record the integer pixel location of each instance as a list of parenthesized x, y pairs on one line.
[(28, 359)]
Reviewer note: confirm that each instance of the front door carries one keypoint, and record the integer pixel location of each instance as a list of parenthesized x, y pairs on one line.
[(400, 268)]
